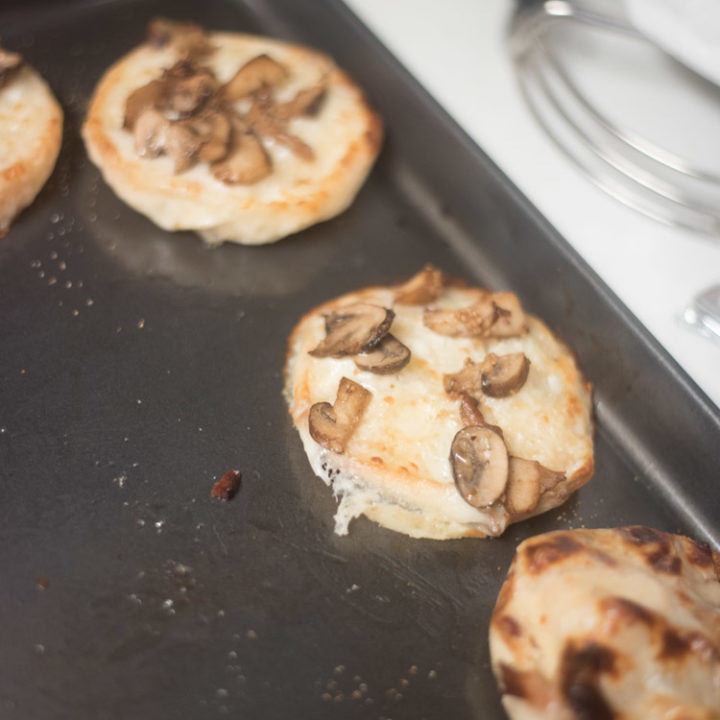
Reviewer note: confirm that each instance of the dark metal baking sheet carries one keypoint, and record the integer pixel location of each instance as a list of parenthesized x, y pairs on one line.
[(137, 366)]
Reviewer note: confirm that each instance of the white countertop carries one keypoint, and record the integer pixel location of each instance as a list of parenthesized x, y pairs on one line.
[(458, 51)]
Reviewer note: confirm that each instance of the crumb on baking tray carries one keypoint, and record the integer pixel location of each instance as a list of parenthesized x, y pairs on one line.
[(227, 486)]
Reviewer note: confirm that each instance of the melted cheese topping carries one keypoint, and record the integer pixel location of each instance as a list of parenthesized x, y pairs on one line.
[(399, 454)]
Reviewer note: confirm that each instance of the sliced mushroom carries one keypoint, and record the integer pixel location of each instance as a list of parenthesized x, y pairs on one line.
[(472, 321), (144, 98), (251, 77), (333, 425), (305, 102), (151, 129), (261, 118), (422, 288), (470, 412), (213, 131), (493, 315), (187, 89), (479, 461), (187, 38), (182, 145), (354, 329), (388, 356), (527, 480), (503, 375), (510, 320), (247, 163), (10, 64), (468, 380)]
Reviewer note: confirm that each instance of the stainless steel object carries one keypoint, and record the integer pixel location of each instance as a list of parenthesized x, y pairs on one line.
[(704, 313), (640, 172)]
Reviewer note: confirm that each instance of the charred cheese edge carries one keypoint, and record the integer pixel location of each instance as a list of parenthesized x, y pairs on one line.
[(396, 468)]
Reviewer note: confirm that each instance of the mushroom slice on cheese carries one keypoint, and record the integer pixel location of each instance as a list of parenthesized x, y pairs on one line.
[(333, 425), (353, 329), (427, 462), (388, 356), (422, 288)]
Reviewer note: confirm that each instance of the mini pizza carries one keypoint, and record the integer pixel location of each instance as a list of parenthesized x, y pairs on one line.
[(438, 410), (30, 135), (238, 137), (609, 624)]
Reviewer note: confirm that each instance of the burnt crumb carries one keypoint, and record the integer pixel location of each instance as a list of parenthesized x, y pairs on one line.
[(41, 582), (580, 671), (227, 486), (541, 555)]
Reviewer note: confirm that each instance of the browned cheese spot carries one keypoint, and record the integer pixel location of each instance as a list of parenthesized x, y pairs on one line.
[(674, 645), (529, 685), (656, 547), (627, 611), (699, 553), (670, 643), (639, 535), (541, 555), (508, 627), (664, 562), (581, 666)]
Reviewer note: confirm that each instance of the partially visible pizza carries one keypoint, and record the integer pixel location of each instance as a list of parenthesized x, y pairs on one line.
[(30, 135), (618, 624)]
